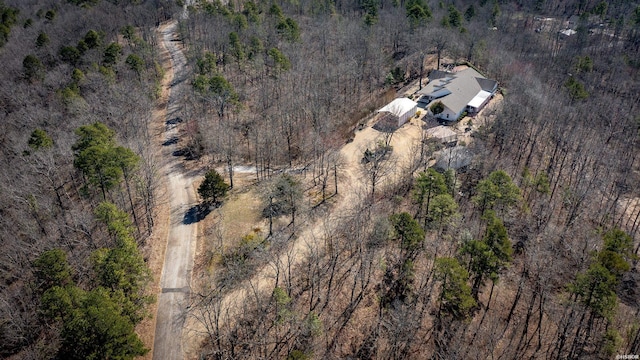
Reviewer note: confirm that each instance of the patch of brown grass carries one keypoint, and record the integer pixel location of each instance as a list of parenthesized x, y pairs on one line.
[(224, 228), (241, 214)]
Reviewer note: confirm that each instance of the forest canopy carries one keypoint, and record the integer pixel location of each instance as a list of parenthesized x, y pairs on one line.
[(529, 250)]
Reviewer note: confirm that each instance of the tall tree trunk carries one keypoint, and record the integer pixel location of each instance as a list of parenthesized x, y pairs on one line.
[(335, 177), (230, 168), (133, 209)]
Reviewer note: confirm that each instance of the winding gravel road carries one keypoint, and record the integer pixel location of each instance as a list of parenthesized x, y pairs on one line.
[(181, 241)]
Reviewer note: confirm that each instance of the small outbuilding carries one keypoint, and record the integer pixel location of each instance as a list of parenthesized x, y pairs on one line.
[(402, 109), (454, 158), (443, 133)]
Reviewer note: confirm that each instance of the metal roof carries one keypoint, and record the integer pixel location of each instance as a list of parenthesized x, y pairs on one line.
[(463, 86), (399, 106), (440, 93), (479, 99)]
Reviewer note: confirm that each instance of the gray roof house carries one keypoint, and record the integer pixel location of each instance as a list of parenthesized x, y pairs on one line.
[(466, 90)]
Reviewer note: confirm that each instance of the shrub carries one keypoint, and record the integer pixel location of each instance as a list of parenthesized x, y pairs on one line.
[(77, 75), (112, 54), (213, 188), (50, 15), (69, 54), (42, 40), (437, 107), (33, 68), (40, 139), (93, 39)]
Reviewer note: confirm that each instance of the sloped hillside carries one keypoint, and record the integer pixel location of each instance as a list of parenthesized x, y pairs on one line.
[(78, 84)]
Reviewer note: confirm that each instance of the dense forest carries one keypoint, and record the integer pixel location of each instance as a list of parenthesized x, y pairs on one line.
[(79, 82), (530, 251)]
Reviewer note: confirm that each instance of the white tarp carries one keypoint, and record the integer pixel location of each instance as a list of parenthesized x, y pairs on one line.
[(479, 99)]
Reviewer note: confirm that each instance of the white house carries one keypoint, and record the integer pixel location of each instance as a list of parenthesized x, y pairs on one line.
[(463, 91), (402, 109)]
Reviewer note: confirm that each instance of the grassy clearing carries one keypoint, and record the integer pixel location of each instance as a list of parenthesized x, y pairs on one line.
[(225, 228), (241, 215)]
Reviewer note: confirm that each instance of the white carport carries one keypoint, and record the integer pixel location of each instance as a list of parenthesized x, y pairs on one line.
[(402, 108), (477, 103)]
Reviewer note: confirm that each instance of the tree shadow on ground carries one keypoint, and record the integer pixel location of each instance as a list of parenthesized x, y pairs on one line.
[(387, 123), (171, 141), (196, 213), (187, 153), (174, 121)]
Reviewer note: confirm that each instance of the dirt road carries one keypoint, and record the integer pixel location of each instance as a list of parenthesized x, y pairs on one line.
[(181, 241)]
